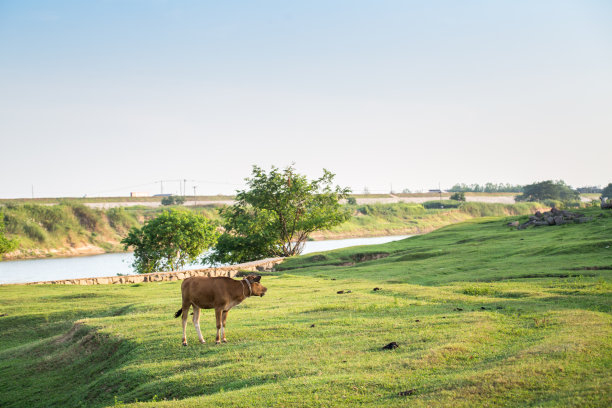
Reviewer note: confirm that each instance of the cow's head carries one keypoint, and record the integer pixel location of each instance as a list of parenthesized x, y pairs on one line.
[(256, 288)]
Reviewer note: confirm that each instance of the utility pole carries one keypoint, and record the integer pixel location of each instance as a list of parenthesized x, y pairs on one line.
[(195, 200), (184, 187), (32, 190)]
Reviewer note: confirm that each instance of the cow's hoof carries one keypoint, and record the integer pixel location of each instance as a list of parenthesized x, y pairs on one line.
[(184, 344), (218, 342), (203, 341), (224, 340)]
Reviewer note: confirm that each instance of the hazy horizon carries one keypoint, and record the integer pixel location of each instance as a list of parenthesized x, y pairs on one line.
[(101, 98)]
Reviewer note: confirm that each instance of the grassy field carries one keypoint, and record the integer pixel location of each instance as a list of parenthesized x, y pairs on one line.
[(483, 314)]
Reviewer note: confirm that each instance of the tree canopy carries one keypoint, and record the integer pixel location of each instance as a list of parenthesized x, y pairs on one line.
[(548, 190), (275, 215), (170, 241)]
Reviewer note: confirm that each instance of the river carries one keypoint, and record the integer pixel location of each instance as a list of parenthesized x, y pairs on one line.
[(34, 270)]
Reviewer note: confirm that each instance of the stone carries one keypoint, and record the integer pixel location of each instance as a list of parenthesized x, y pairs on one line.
[(559, 220)]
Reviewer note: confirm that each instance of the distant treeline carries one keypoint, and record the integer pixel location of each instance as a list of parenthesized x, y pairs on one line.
[(508, 188), (487, 188), (589, 189)]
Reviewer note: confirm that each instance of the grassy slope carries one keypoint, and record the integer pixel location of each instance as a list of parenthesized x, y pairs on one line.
[(533, 329), (71, 228)]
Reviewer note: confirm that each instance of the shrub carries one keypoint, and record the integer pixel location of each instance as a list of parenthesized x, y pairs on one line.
[(6, 245), (87, 217), (460, 196), (441, 204), (120, 220)]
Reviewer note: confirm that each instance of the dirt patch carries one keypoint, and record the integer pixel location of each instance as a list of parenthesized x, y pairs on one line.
[(363, 257), (65, 338)]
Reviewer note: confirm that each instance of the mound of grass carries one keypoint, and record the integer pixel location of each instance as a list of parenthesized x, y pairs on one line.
[(484, 315)]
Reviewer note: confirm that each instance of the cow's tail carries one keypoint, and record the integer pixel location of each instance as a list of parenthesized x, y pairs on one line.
[(179, 312)]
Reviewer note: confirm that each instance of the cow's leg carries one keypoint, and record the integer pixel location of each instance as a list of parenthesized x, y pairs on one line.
[(218, 316), (196, 322), (186, 306), (223, 326)]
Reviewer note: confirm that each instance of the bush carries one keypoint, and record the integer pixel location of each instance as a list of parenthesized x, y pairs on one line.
[(6, 245), (120, 220), (441, 204), (88, 217), (387, 211), (173, 200), (460, 196), (35, 232)]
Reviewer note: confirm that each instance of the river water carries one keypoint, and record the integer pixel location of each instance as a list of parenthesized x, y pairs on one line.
[(34, 270)]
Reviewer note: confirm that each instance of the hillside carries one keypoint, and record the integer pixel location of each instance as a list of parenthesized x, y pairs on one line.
[(72, 228), (483, 315)]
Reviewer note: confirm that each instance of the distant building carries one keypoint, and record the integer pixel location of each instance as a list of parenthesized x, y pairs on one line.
[(162, 195), (139, 194), (436, 191)]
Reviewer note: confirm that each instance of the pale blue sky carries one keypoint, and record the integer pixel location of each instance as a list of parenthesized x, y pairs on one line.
[(100, 95)]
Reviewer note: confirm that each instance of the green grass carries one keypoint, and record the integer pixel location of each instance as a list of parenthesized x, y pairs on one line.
[(484, 315)]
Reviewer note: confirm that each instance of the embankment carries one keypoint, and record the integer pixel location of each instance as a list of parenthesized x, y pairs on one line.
[(229, 271), (73, 229)]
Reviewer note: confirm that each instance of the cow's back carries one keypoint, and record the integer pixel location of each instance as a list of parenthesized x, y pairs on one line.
[(205, 292)]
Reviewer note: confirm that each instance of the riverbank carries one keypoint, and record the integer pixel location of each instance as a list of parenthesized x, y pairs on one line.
[(73, 229), (81, 269)]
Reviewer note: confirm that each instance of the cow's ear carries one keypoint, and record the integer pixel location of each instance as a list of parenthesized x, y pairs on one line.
[(257, 278)]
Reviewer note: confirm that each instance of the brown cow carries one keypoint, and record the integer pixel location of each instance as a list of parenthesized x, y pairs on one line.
[(219, 293)]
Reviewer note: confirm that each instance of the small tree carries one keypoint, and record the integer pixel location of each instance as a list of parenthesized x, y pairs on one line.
[(276, 214), (172, 200), (170, 241), (6, 245), (460, 196), (548, 190)]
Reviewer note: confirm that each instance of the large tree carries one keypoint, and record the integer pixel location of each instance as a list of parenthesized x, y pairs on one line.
[(170, 241), (548, 190), (275, 215), (6, 245)]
